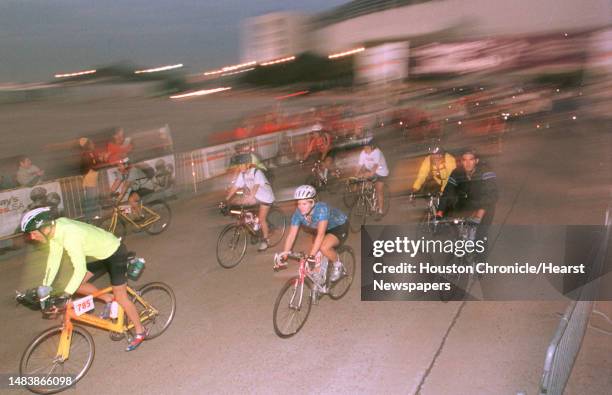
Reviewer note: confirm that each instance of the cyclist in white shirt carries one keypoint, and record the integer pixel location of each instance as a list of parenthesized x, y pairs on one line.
[(258, 191), (372, 164)]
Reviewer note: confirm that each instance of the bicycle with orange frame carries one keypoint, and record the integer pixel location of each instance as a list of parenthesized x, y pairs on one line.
[(67, 350)]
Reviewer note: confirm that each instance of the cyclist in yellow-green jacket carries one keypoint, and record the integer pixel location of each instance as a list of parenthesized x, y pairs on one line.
[(81, 240)]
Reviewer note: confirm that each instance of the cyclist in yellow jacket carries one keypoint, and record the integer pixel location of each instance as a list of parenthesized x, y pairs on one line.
[(434, 171), (81, 240)]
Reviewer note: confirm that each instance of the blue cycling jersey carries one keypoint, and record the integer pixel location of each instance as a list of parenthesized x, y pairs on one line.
[(320, 212)]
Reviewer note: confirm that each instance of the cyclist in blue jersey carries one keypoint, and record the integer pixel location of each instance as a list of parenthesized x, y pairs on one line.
[(328, 225)]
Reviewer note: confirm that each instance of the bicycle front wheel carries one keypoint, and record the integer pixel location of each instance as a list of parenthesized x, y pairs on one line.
[(40, 358), (165, 216), (292, 307), (277, 225), (231, 246), (357, 216), (341, 287), (156, 307), (458, 281)]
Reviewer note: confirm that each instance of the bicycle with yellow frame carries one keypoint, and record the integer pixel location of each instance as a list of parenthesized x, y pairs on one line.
[(64, 353), (155, 217)]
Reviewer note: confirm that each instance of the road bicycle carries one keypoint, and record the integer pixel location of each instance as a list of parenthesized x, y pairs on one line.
[(427, 222), (300, 292), (232, 241), (154, 217), (321, 181), (366, 204), (68, 350), (456, 229)]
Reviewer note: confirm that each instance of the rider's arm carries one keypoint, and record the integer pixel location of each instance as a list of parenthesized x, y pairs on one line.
[(316, 245), (378, 159), (372, 172), (361, 164), (449, 194), (73, 245), (124, 187), (231, 192), (489, 193), (116, 184), (237, 183), (293, 231), (451, 164), (422, 174), (309, 148), (54, 260)]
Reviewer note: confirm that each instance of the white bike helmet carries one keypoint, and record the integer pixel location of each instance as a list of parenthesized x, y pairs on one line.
[(305, 192), (36, 219)]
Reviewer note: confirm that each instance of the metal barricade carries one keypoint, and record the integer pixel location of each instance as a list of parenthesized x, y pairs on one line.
[(565, 345), (73, 195)]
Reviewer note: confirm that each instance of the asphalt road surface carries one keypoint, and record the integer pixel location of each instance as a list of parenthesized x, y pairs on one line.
[(222, 340)]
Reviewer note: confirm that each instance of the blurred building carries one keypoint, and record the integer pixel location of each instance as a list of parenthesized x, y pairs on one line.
[(371, 22), (274, 36), (364, 22), (405, 37)]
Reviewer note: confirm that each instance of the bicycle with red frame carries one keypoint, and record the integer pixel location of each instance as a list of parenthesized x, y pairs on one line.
[(300, 292)]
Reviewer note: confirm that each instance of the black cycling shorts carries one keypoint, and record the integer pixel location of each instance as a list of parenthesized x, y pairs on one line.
[(115, 265), (340, 231)]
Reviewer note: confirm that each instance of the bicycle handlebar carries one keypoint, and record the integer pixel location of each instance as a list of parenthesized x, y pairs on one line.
[(54, 305), (289, 255), (454, 221), (424, 195)]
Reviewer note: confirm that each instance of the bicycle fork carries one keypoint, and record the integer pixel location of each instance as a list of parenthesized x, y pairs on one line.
[(299, 284), (63, 348)]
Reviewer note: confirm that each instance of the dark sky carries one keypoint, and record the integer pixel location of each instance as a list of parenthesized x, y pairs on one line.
[(39, 38)]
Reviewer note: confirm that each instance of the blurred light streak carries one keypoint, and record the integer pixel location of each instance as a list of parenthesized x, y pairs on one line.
[(230, 68), (346, 53), (238, 72), (283, 60), (75, 74), (200, 93), (291, 95), (162, 68)]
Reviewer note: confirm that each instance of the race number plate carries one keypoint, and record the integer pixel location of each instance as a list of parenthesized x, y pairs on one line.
[(83, 305)]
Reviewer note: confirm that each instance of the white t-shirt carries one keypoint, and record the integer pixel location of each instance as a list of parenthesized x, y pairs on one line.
[(375, 157), (253, 177)]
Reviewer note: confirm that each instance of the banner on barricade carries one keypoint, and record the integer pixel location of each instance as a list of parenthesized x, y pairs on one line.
[(14, 202)]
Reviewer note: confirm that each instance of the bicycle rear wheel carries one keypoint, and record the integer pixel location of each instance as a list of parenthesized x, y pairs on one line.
[(386, 200), (165, 216), (40, 358), (357, 216), (231, 246), (341, 287), (159, 308), (350, 195), (118, 228), (292, 307), (277, 224)]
